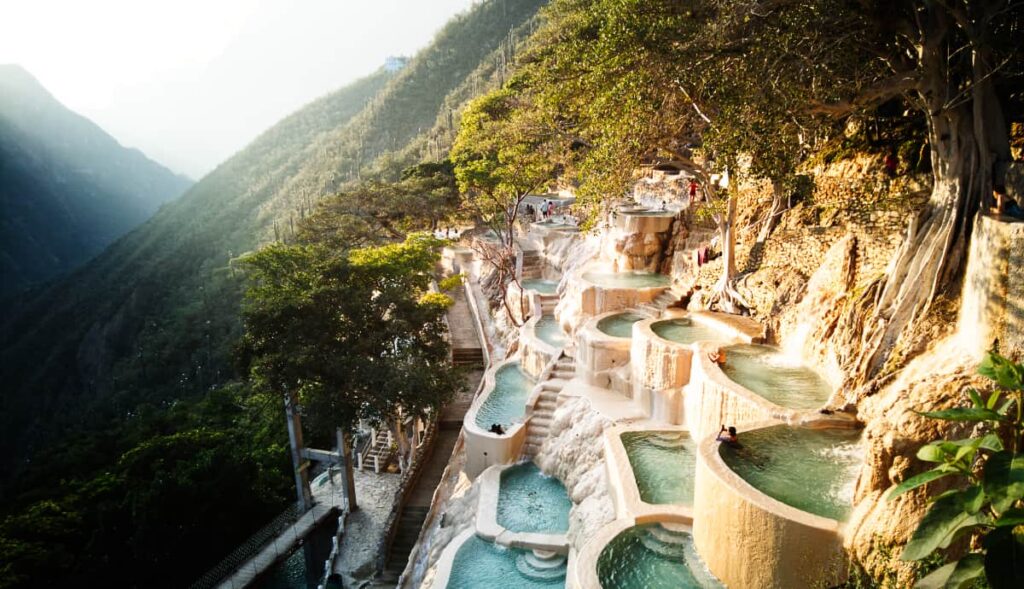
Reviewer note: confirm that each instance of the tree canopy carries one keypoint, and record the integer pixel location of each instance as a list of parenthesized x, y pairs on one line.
[(354, 335)]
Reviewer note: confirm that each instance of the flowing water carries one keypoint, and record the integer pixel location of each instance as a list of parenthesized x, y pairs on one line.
[(506, 403), (663, 464), (620, 324), (775, 376), (809, 469), (687, 331), (480, 564), (651, 556), (530, 501), (550, 331), (541, 285), (632, 279)]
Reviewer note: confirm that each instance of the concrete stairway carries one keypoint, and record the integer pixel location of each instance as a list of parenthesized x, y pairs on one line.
[(548, 302), (380, 452), (409, 524), (654, 308), (467, 357), (540, 422), (532, 263)]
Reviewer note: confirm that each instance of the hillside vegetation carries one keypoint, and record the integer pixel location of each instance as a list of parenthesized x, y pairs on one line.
[(131, 357), (67, 188)]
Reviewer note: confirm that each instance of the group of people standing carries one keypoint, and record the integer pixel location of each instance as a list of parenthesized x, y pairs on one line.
[(542, 212)]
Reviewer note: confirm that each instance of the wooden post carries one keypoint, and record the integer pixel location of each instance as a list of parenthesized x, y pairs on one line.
[(348, 480), (299, 466)]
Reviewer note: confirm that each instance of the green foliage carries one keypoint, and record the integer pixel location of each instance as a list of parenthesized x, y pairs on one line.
[(353, 336), (989, 503)]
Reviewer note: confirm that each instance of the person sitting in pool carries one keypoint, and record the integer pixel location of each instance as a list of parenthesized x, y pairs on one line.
[(728, 435), (497, 429), (718, 357)]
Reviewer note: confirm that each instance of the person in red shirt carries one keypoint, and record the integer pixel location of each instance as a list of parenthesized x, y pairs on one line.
[(693, 190)]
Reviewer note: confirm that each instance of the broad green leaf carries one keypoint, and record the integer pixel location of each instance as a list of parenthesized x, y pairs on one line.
[(938, 528), (1004, 479), (993, 399), (920, 479), (955, 574), (937, 578), (1011, 517), (1004, 559), (967, 450), (973, 499), (991, 442), (1008, 374), (931, 453), (964, 414), (975, 398), (1005, 409)]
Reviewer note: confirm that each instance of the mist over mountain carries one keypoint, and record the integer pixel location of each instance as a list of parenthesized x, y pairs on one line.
[(67, 188), (155, 316)]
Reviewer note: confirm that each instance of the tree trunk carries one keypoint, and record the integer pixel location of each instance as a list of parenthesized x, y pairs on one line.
[(779, 206), (348, 473), (725, 295), (304, 497), (964, 140)]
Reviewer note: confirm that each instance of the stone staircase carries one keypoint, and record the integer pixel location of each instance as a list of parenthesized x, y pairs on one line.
[(380, 452), (409, 524), (471, 357), (543, 412), (654, 308), (532, 264), (548, 302)]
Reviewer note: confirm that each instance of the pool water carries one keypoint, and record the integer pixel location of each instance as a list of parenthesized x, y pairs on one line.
[(480, 564), (620, 324), (651, 556), (687, 331), (663, 464), (550, 331), (506, 403), (540, 285), (530, 501), (632, 279), (809, 469), (767, 372)]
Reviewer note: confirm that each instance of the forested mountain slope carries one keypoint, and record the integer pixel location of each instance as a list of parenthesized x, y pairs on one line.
[(155, 316), (67, 188)]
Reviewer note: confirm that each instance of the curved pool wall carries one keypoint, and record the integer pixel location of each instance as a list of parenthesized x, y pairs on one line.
[(660, 367), (506, 491), (484, 448), (470, 562), (598, 352), (630, 493), (537, 348), (653, 556), (777, 541), (603, 291), (713, 399), (640, 220)]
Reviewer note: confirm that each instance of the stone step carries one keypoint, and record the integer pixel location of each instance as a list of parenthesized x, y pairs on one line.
[(562, 375), (545, 405)]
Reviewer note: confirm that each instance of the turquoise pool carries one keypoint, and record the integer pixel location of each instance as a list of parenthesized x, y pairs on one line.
[(767, 372), (632, 279), (809, 469), (550, 331), (687, 331), (540, 285), (620, 324), (530, 501), (480, 564), (663, 464), (506, 403), (652, 556)]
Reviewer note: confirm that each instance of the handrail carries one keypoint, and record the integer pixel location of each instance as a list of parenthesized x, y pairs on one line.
[(247, 549)]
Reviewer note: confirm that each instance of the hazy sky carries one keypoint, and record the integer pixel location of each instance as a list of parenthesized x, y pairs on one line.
[(190, 82)]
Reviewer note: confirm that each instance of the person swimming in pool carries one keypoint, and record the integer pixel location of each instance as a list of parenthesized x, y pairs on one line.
[(728, 435), (718, 357)]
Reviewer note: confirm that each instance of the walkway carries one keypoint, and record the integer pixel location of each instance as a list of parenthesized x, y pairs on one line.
[(327, 497), (466, 348)]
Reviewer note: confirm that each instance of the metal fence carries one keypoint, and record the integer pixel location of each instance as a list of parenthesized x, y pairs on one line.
[(248, 549)]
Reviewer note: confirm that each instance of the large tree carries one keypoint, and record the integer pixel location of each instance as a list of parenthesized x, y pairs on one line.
[(348, 336)]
